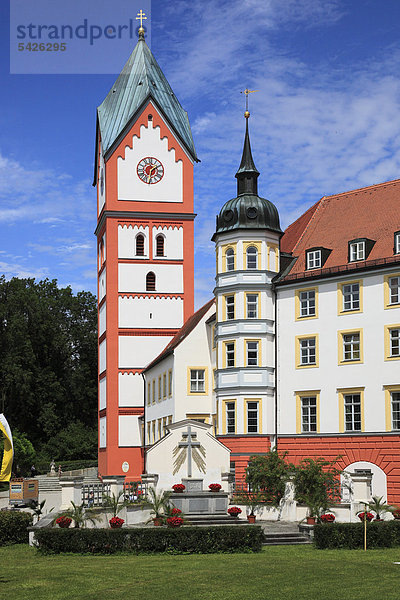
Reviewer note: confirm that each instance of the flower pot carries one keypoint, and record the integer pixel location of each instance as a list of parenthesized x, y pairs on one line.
[(310, 520), (251, 518), (116, 525), (157, 521)]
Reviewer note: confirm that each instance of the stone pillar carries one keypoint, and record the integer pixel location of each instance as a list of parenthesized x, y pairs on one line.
[(71, 490), (149, 480), (116, 483), (227, 480)]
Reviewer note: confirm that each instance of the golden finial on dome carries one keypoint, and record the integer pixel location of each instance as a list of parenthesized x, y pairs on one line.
[(141, 16), (246, 92)]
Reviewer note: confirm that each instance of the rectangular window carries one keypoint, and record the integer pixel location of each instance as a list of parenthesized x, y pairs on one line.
[(351, 296), (395, 402), (164, 425), (252, 417), (197, 381), (230, 307), (153, 431), (357, 251), (308, 414), (169, 383), (307, 303), (314, 259), (397, 242), (148, 393), (252, 306), (164, 385), (230, 354), (230, 417), (153, 396), (159, 429), (351, 346), (394, 342), (159, 388), (352, 412), (148, 433), (394, 285), (252, 353), (308, 351)]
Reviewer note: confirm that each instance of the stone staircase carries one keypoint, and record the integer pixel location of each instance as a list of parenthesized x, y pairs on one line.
[(285, 539), (51, 484), (204, 520)]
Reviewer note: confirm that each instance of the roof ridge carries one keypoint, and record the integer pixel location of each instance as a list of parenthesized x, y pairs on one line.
[(313, 216), (361, 189)]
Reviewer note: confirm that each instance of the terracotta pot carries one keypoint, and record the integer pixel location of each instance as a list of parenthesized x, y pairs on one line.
[(157, 521), (310, 520), (251, 518), (116, 526)]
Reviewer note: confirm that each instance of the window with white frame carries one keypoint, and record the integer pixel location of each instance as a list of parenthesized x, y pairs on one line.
[(252, 353), (394, 336), (397, 242), (230, 417), (252, 417), (395, 402), (308, 351), (230, 354), (197, 380), (351, 296), (394, 286), (308, 414), (230, 259), (252, 306), (352, 412), (351, 346), (314, 259), (251, 257), (357, 251), (230, 307), (307, 303)]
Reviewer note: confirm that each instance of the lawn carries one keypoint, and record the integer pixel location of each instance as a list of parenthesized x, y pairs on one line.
[(277, 573)]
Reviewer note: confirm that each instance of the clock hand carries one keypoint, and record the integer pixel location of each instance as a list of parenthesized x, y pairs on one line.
[(150, 173)]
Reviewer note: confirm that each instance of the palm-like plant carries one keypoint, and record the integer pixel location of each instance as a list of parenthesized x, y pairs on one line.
[(158, 503), (80, 515), (115, 503), (379, 506)]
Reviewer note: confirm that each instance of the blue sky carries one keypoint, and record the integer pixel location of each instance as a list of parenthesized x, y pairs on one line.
[(325, 120)]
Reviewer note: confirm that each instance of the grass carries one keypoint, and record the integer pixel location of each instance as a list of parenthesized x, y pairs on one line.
[(277, 573)]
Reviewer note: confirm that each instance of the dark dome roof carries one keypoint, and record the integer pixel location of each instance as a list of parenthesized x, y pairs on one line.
[(248, 211)]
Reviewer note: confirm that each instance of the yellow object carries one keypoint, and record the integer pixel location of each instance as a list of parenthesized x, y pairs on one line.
[(8, 453)]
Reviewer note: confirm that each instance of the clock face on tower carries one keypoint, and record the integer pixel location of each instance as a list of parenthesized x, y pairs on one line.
[(150, 170)]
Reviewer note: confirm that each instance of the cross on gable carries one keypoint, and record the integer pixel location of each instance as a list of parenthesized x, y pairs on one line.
[(189, 441)]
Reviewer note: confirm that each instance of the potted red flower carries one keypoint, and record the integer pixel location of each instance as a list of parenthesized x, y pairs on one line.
[(368, 516), (178, 488), (175, 519), (63, 522), (234, 511), (116, 522), (396, 513), (327, 518), (215, 487)]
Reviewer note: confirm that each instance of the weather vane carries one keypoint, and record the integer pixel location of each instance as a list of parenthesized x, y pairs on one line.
[(141, 16), (246, 92)]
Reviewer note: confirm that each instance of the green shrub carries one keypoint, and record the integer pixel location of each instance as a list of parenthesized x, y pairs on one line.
[(13, 527), (384, 534), (186, 540)]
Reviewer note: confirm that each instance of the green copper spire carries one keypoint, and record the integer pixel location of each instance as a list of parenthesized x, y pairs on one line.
[(247, 173), (141, 79)]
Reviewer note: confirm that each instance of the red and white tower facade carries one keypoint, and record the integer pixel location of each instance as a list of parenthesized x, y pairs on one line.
[(144, 177)]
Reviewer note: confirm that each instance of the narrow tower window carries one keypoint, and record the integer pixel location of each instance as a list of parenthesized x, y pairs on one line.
[(230, 259), (251, 253), (150, 282), (140, 245), (160, 245)]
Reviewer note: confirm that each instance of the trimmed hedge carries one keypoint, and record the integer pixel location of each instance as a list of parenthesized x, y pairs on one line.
[(13, 527), (384, 534), (185, 540)]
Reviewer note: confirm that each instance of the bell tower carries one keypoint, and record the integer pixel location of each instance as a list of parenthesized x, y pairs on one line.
[(144, 177)]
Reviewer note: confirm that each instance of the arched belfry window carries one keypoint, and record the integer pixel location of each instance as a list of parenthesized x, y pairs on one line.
[(252, 255), (160, 245), (150, 282), (140, 245), (230, 259)]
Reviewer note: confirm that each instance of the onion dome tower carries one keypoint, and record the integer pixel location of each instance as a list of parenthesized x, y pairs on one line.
[(247, 250)]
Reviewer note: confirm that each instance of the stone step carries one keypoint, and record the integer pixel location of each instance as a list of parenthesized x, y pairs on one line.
[(282, 539), (214, 519)]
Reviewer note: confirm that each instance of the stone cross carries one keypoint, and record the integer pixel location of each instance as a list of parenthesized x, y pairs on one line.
[(189, 441)]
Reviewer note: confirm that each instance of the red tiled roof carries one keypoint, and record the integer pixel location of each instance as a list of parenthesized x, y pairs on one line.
[(183, 332), (372, 212)]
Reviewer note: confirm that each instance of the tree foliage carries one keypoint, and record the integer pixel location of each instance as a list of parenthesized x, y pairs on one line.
[(317, 484), (268, 473), (48, 357)]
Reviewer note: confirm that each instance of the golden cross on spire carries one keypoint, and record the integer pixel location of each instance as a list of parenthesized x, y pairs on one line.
[(141, 16), (246, 92)]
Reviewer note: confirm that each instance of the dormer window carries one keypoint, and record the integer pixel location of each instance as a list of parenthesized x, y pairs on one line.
[(314, 259), (397, 242), (359, 249)]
